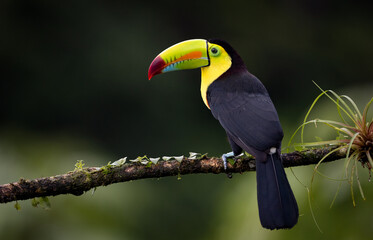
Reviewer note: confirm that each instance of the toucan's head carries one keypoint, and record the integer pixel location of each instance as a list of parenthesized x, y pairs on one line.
[(214, 57)]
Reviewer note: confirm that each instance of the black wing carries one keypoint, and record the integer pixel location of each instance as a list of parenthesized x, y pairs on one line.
[(245, 110)]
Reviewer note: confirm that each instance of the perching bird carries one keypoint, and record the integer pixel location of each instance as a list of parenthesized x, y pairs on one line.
[(241, 103)]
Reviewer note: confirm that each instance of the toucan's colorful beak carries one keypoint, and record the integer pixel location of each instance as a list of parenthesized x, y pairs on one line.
[(189, 54)]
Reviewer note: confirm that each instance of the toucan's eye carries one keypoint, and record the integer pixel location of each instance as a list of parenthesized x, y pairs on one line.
[(215, 51)]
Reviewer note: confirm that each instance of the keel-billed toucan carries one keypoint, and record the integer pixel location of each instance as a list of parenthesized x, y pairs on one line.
[(240, 102)]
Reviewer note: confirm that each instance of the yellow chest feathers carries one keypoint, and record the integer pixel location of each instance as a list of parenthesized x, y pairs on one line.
[(218, 65)]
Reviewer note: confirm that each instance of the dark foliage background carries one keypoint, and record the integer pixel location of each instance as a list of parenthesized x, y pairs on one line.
[(74, 86)]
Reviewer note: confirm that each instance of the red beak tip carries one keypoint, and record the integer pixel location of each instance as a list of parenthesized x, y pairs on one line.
[(156, 67)]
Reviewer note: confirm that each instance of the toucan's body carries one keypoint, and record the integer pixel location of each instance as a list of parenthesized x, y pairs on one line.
[(240, 102)]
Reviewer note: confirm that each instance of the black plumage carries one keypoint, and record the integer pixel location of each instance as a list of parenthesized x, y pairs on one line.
[(241, 103)]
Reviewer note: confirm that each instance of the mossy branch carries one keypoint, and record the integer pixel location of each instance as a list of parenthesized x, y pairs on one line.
[(83, 179)]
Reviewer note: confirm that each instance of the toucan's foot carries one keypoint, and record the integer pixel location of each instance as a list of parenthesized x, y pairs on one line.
[(225, 156)]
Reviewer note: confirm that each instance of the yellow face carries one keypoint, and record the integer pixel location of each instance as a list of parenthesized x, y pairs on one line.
[(220, 62)]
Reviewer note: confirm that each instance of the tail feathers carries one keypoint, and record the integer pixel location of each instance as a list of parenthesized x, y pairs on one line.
[(277, 205)]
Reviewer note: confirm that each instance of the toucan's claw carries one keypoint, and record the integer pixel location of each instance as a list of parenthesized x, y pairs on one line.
[(225, 156)]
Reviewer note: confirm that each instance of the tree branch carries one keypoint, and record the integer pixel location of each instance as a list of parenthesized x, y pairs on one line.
[(81, 180)]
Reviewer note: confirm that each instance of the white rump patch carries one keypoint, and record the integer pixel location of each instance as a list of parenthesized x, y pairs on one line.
[(273, 150)]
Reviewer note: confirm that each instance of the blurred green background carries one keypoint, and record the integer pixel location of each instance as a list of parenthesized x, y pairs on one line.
[(74, 86)]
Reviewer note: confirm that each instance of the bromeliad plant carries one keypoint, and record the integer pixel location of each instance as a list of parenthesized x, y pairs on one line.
[(355, 135)]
